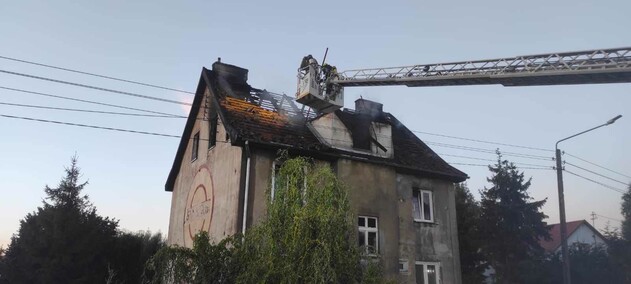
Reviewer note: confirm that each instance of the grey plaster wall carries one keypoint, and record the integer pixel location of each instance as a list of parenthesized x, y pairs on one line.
[(430, 242), (373, 192)]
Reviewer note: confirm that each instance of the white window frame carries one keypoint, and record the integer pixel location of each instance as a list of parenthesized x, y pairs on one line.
[(279, 164), (404, 266), (423, 265), (421, 216), (367, 230), (275, 164)]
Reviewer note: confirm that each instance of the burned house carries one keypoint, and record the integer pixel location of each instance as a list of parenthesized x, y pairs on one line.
[(401, 191)]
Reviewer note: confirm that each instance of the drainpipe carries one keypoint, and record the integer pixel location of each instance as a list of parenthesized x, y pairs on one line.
[(247, 186)]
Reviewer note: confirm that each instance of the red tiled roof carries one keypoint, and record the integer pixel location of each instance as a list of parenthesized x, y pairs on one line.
[(555, 235)]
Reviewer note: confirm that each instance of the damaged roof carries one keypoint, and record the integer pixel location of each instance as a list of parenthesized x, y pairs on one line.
[(262, 117)]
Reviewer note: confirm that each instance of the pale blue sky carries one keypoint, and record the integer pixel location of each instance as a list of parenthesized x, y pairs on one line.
[(167, 43)]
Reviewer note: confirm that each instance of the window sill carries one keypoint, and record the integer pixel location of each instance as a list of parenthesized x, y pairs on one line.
[(425, 221)]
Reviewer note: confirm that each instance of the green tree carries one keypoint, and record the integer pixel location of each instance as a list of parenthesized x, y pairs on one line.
[(204, 263), (131, 252), (619, 243), (307, 236), (64, 241), (590, 264), (626, 214), (472, 261), (510, 221)]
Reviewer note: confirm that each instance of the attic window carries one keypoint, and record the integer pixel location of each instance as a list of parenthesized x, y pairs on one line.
[(195, 147), (212, 133)]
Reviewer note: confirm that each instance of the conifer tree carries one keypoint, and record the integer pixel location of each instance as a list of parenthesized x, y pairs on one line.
[(64, 241), (470, 241), (510, 221)]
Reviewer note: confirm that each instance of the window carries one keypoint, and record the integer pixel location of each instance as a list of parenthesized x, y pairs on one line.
[(423, 204), (195, 146), (427, 272), (275, 174), (276, 165), (212, 131), (403, 266), (368, 236)]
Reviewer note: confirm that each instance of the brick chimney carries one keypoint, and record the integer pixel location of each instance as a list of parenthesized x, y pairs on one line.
[(373, 109)]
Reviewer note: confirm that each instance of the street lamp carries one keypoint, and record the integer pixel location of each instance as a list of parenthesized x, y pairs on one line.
[(565, 255)]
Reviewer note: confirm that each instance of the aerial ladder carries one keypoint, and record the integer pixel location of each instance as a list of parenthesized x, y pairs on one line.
[(321, 87)]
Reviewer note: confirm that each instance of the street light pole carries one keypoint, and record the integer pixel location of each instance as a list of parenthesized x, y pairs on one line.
[(559, 168)]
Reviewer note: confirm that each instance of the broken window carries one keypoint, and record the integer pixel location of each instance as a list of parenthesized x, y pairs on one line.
[(423, 205), (195, 146), (368, 234)]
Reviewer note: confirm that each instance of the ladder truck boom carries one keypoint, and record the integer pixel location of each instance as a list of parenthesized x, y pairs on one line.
[(563, 68)]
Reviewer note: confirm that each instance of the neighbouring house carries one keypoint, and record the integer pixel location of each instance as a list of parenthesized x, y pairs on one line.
[(577, 232), (401, 190)]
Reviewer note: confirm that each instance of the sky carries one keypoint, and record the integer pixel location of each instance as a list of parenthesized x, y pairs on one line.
[(168, 42)]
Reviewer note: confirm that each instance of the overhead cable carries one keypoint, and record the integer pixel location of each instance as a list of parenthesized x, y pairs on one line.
[(95, 75), (96, 88), (99, 127), (489, 151), (573, 165), (597, 182), (89, 111), (613, 219), (482, 141), (586, 161), (489, 160), (90, 126), (482, 165), (88, 101)]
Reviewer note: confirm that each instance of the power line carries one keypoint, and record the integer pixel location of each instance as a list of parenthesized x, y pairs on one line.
[(489, 151), (100, 127), (586, 161), (573, 165), (597, 182), (95, 75), (88, 101), (483, 141), (489, 160), (482, 165), (89, 111), (96, 88), (614, 219), (90, 126)]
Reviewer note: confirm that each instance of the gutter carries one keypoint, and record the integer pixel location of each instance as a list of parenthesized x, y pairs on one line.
[(247, 187)]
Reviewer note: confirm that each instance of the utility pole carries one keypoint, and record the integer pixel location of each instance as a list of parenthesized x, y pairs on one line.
[(594, 219), (564, 250), (559, 168)]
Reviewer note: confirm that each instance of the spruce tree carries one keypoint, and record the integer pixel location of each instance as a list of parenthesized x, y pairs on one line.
[(64, 241), (470, 241), (510, 221)]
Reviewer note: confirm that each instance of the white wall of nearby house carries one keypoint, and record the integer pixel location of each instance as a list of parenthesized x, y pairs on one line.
[(584, 234)]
